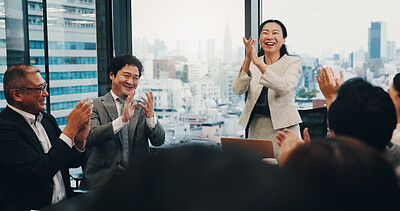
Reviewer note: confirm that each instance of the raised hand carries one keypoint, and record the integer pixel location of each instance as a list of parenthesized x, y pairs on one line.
[(329, 82), (80, 138), (250, 53), (78, 117), (149, 107), (288, 141), (129, 107), (249, 45)]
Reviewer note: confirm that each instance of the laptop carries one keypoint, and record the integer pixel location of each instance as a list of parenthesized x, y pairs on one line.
[(259, 148)]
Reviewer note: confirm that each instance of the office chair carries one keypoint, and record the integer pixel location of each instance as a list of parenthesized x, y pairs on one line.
[(316, 121)]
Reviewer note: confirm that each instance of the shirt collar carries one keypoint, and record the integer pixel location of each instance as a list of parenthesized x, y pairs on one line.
[(30, 118), (114, 95)]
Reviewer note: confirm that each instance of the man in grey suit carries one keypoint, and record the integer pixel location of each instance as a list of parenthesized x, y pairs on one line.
[(119, 130)]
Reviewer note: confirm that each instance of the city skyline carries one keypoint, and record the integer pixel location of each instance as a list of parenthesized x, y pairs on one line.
[(318, 28)]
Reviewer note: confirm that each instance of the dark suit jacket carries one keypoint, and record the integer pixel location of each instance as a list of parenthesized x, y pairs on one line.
[(26, 181), (106, 145)]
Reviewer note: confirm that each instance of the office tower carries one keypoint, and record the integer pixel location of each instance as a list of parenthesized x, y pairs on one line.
[(164, 68), (181, 48), (72, 55), (358, 58), (309, 71), (210, 48), (392, 53), (377, 40), (197, 70), (159, 49), (227, 44), (200, 50)]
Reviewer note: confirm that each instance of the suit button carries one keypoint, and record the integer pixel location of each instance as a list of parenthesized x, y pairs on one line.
[(51, 186)]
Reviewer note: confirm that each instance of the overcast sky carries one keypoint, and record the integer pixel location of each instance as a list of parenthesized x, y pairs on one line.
[(314, 26)]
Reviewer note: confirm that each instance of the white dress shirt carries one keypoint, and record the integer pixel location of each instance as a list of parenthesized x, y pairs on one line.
[(118, 123)]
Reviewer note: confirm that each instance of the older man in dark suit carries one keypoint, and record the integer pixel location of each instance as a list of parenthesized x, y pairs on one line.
[(120, 130), (34, 154)]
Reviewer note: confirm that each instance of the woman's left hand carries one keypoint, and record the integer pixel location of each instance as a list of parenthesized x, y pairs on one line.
[(254, 56)]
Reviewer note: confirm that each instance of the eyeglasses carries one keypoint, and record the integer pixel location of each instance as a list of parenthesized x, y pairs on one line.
[(41, 88)]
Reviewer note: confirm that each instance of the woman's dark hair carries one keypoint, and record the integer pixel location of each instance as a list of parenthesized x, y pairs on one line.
[(396, 83), (283, 50)]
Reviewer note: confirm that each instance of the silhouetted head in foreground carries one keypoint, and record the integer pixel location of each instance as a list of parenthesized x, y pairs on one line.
[(199, 178), (364, 112), (349, 173)]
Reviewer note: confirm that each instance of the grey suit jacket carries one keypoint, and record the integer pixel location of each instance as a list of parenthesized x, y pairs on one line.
[(281, 79), (106, 145)]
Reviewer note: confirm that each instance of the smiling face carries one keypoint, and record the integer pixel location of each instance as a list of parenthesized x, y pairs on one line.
[(126, 80), (271, 38), (34, 101)]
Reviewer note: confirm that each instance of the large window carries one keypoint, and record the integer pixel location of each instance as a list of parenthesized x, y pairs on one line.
[(71, 45), (357, 36), (3, 52), (69, 39), (191, 53)]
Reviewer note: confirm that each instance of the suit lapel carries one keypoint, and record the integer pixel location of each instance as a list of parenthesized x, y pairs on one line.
[(109, 104), (25, 128)]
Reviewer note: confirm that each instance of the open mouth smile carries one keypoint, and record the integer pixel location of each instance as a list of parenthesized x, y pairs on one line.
[(270, 44)]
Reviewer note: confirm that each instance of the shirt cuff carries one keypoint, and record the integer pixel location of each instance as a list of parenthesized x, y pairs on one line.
[(151, 122), (67, 140), (79, 149), (117, 124)]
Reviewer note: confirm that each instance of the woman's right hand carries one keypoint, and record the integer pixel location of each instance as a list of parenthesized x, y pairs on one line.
[(250, 50), (249, 45)]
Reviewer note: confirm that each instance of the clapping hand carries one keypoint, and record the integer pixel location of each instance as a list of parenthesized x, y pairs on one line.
[(329, 82), (129, 107), (149, 107), (288, 141)]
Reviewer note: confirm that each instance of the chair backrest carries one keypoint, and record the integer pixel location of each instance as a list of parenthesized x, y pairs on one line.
[(316, 121)]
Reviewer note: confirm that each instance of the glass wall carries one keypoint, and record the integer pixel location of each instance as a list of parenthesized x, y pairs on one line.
[(191, 54), (359, 37), (72, 54), (3, 52), (71, 47)]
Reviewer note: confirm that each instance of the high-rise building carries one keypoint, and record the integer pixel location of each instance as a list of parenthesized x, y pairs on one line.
[(181, 48), (227, 44), (358, 58), (377, 40), (210, 48), (164, 68), (391, 50), (159, 49), (72, 56)]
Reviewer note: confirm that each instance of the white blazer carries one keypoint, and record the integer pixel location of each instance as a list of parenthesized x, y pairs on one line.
[(281, 79)]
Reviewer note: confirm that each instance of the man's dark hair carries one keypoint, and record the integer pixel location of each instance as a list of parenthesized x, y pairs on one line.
[(364, 112), (349, 174), (117, 63), (396, 83), (16, 76)]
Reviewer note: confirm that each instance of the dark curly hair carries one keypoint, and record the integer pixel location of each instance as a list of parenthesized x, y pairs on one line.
[(118, 62)]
